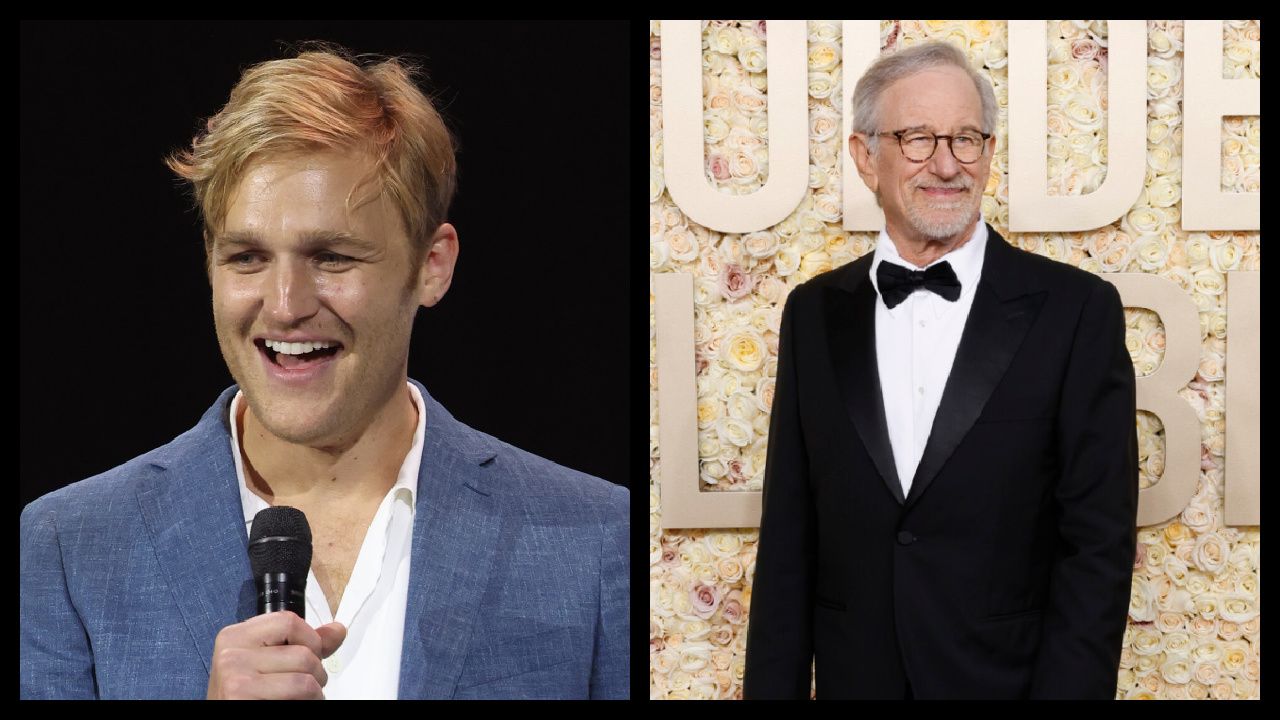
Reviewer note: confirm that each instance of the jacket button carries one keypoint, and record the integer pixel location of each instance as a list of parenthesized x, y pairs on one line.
[(905, 538)]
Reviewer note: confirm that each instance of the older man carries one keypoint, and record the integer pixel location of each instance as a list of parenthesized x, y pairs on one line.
[(446, 563), (951, 492)]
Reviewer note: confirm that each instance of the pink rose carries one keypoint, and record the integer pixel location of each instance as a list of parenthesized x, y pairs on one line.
[(705, 600), (655, 48), (1084, 49), (734, 283), (670, 558), (718, 166), (736, 476), (732, 609)]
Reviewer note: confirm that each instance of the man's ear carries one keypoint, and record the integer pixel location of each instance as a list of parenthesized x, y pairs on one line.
[(437, 265), (863, 158)]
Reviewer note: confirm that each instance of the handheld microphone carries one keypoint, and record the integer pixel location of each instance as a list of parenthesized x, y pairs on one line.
[(280, 556)]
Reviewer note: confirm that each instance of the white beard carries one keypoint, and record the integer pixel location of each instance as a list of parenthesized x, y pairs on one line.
[(958, 216)]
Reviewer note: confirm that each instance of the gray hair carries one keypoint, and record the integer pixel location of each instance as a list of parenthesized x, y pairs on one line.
[(888, 69)]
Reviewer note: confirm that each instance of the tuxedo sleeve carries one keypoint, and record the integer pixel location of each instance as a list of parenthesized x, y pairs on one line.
[(779, 635), (55, 660), (1096, 503)]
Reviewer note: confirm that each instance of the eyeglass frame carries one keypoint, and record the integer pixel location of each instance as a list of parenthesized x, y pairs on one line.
[(950, 148)]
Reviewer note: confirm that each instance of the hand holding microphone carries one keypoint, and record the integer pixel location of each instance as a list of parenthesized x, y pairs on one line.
[(276, 655)]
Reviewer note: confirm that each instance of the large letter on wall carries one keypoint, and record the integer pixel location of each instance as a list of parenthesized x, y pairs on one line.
[(1031, 209), (1244, 371), (1158, 392), (683, 130), (861, 48), (683, 504), (1208, 97)]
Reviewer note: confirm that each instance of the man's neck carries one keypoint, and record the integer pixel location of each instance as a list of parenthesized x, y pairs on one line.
[(922, 251), (283, 473)]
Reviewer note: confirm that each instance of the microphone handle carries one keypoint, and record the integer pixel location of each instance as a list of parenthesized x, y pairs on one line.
[(282, 591)]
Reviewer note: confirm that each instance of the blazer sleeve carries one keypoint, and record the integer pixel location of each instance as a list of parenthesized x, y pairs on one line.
[(611, 665), (1096, 499), (779, 653), (56, 661)]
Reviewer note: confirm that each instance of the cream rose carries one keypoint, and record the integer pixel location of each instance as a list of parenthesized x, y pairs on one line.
[(744, 350), (821, 85)]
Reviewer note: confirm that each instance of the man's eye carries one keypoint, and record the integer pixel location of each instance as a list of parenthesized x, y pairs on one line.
[(964, 140), (918, 139), (336, 258)]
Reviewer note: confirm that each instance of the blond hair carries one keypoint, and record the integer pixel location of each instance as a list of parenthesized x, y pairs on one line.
[(322, 100)]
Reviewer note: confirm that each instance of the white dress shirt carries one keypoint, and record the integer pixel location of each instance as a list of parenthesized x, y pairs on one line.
[(916, 344), (367, 665)]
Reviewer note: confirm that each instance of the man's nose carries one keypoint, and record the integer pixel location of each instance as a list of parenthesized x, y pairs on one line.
[(290, 292), (944, 163)]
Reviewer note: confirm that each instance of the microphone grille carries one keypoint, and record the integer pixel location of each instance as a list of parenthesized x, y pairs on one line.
[(280, 542)]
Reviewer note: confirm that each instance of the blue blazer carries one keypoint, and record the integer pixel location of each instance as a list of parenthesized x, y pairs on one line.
[(518, 585)]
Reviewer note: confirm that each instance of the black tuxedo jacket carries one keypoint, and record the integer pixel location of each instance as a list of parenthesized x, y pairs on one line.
[(1006, 571)]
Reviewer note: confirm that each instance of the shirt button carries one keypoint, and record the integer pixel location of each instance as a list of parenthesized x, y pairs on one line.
[(905, 538), (332, 664), (920, 390), (921, 323)]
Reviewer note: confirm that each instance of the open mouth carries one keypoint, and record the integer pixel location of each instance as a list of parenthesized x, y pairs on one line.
[(290, 362)]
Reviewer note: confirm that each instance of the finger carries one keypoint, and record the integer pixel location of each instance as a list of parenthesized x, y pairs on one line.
[(284, 659), (331, 638), (283, 628)]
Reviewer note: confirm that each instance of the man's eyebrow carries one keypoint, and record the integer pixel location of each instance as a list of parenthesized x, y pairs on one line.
[(310, 240)]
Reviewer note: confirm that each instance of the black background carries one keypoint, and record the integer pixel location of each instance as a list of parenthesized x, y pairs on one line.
[(118, 352)]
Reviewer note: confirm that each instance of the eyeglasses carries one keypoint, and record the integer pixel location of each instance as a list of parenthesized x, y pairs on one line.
[(919, 145)]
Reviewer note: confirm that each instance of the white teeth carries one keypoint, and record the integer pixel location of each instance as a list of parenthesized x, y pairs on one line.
[(297, 348)]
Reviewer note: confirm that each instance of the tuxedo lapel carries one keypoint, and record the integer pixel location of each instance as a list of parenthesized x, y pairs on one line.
[(1004, 307), (850, 314)]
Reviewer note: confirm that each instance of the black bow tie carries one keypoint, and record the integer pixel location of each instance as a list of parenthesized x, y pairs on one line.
[(897, 283)]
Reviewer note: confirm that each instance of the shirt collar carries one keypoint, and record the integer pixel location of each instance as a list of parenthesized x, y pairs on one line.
[(406, 480), (965, 261)]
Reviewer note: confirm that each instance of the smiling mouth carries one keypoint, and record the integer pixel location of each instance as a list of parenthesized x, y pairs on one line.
[(295, 361)]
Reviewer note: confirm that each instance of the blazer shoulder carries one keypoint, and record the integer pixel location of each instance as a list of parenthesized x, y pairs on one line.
[(105, 495), (1045, 273), (526, 475)]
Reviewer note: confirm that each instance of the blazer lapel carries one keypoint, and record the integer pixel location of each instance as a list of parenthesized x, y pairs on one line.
[(455, 533), (192, 513), (851, 327), (1004, 307)]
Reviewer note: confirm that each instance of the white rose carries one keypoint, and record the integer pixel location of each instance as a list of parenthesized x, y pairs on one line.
[(659, 254), (823, 56), (787, 261), (1083, 112), (1163, 192), (817, 177), (752, 58), (1162, 75), (725, 40), (744, 349), (1176, 669), (821, 85), (734, 431), (742, 406), (824, 123)]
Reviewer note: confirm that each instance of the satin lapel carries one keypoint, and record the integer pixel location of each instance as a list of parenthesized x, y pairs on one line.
[(851, 326), (1002, 312), (191, 510), (456, 528)]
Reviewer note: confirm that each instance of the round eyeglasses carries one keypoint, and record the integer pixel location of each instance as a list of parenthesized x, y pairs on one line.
[(919, 145)]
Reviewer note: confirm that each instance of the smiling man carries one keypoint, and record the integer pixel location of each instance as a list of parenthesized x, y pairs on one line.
[(446, 564), (950, 498)]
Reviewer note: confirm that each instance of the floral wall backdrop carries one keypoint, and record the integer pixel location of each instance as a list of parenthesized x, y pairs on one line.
[(1193, 620)]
